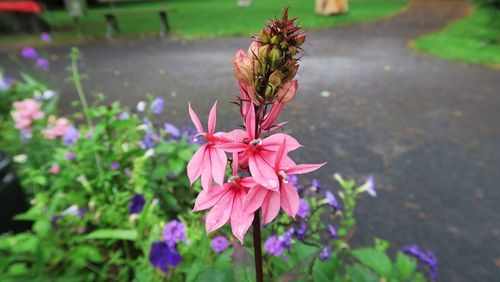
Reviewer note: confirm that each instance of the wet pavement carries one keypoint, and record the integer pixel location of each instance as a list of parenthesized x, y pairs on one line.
[(427, 129)]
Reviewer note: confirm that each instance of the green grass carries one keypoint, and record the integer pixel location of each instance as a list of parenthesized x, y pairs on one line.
[(475, 39), (206, 18)]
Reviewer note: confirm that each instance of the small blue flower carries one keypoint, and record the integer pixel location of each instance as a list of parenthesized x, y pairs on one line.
[(425, 258), (325, 253), (369, 186), (71, 135), (332, 200), (29, 53), (301, 231), (70, 155), (157, 105), (273, 246), (219, 244), (174, 232), (303, 210), (137, 204), (162, 256), (123, 116), (173, 131), (332, 231), (42, 63), (114, 166), (286, 238)]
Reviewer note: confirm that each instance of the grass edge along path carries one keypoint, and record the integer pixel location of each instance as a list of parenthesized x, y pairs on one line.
[(473, 39)]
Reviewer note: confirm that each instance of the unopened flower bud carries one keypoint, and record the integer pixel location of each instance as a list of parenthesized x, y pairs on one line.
[(264, 36), (275, 79), (243, 68), (275, 40), (287, 91), (264, 53), (292, 50), (300, 39), (275, 56), (253, 50)]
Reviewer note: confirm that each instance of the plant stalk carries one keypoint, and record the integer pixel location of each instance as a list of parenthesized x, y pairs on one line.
[(257, 247)]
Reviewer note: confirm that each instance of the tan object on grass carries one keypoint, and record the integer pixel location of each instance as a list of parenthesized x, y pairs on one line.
[(331, 7)]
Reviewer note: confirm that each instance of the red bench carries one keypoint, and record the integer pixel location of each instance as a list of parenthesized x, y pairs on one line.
[(21, 7)]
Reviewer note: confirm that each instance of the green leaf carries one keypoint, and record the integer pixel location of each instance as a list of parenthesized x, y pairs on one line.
[(215, 275), (359, 273), (18, 269), (118, 234), (326, 270), (418, 277), (405, 266), (375, 259)]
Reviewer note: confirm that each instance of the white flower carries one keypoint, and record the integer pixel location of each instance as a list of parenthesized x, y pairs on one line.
[(141, 106), (20, 158)]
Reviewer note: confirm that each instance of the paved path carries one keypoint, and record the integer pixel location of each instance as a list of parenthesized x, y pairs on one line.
[(427, 129)]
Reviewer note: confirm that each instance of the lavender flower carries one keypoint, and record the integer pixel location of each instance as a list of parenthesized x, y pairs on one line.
[(45, 37), (315, 184), (74, 210), (273, 246), (70, 155), (333, 232), (425, 258), (157, 105), (29, 53), (286, 238), (136, 204), (369, 187), (301, 231), (123, 116), (173, 131), (48, 94), (293, 179), (162, 256), (42, 63), (53, 221), (219, 244), (303, 211), (72, 134), (114, 165), (325, 253), (332, 201), (174, 232), (5, 82)]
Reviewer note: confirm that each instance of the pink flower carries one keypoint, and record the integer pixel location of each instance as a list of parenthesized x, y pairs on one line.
[(55, 169), (226, 203), (209, 162), (286, 196), (57, 130), (258, 153), (26, 111)]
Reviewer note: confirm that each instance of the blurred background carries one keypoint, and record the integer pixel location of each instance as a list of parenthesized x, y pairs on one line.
[(406, 91)]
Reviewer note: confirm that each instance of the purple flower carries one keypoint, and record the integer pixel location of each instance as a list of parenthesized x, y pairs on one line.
[(29, 53), (162, 256), (174, 232), (88, 135), (114, 165), (74, 210), (273, 246), (48, 94), (332, 231), (425, 258), (173, 131), (219, 244), (369, 186), (303, 211), (301, 231), (325, 253), (332, 200), (191, 136), (71, 135), (5, 82), (45, 37), (136, 204), (286, 238), (315, 184), (42, 63), (148, 141), (293, 179), (124, 115), (70, 155), (53, 221), (157, 105)]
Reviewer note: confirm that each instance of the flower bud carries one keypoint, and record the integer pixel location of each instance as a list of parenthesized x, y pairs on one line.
[(275, 56), (264, 36), (287, 91), (253, 50), (275, 79), (292, 51), (275, 40), (243, 68), (299, 40), (264, 53)]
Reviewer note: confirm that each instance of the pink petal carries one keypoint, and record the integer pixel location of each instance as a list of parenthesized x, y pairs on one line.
[(209, 197), (206, 172), (273, 114), (262, 172), (280, 153), (289, 198), (212, 117), (240, 221), (254, 198), (248, 182), (235, 163), (237, 135), (250, 123), (195, 165), (195, 119), (220, 213), (303, 168), (233, 147), (219, 162), (270, 207), (273, 142)]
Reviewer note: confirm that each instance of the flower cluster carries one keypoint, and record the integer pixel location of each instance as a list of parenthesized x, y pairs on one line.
[(26, 111), (163, 254), (265, 75), (30, 53)]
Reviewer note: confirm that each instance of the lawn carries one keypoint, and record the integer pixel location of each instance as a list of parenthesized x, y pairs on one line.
[(205, 18), (475, 39)]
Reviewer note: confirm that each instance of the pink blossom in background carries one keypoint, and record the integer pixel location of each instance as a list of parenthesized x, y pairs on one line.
[(25, 112), (55, 169), (58, 129)]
